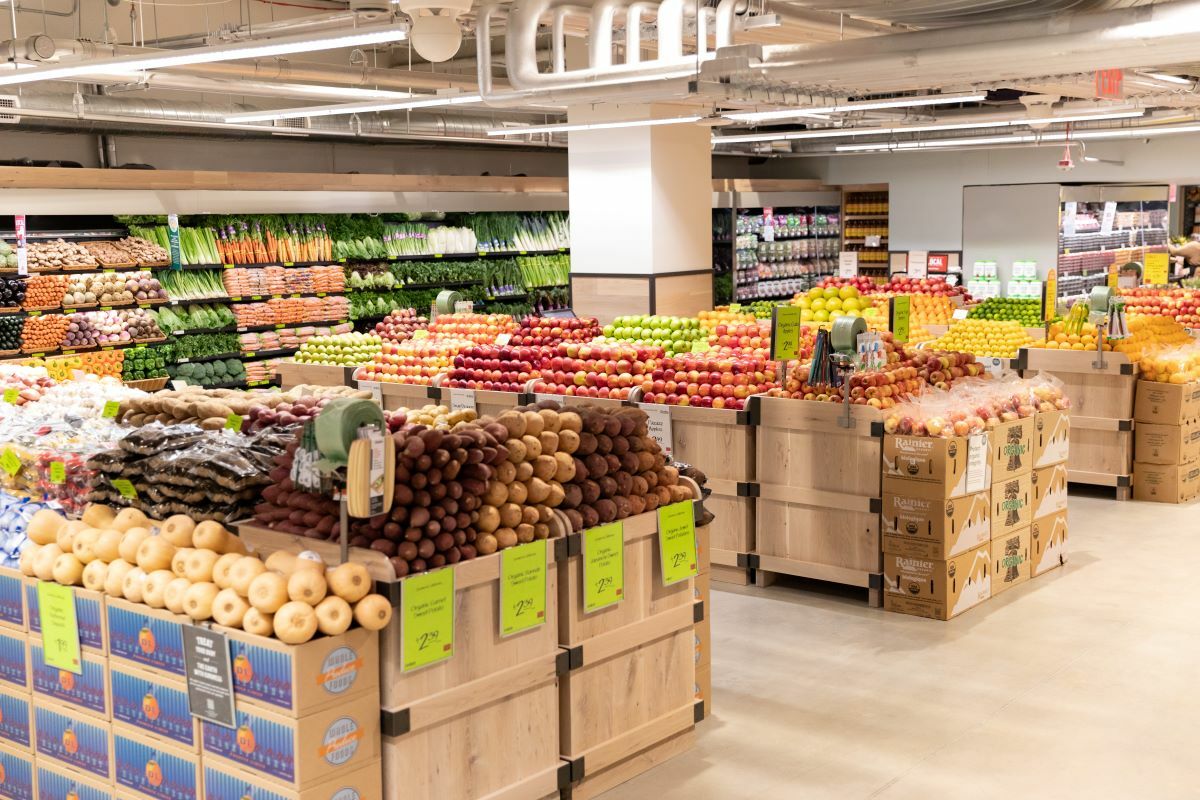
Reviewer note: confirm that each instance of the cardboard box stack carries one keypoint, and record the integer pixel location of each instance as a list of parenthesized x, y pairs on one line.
[(121, 728), (958, 513), (1166, 442)]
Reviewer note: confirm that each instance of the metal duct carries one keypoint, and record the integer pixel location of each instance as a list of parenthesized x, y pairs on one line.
[(1146, 36)]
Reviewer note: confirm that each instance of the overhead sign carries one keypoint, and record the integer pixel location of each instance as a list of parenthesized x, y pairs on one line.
[(1110, 84)]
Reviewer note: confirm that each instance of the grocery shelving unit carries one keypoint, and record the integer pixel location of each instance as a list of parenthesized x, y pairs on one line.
[(1102, 226), (866, 216)]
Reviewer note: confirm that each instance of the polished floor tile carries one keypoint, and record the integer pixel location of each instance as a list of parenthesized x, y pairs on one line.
[(1080, 683)]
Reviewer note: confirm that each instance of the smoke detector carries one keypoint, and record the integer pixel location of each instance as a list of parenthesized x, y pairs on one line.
[(371, 9), (435, 34)]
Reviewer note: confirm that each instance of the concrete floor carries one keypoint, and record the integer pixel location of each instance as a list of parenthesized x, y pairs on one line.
[(1080, 683)]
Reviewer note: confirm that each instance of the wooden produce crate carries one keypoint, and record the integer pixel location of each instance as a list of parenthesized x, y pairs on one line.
[(293, 374), (819, 493), (628, 702), (487, 403), (721, 443), (702, 627), (495, 701), (408, 395), (1101, 451)]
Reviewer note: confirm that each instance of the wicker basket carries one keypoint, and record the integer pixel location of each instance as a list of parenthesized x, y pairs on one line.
[(149, 384)]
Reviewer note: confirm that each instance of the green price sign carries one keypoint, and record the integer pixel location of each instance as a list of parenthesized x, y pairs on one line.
[(898, 317), (12, 396), (603, 566), (9, 462), (58, 473), (125, 488), (785, 333), (522, 587), (427, 619), (111, 409), (60, 629), (233, 423), (677, 542)]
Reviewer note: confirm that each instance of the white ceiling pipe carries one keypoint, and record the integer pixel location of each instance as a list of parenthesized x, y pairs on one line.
[(724, 24), (633, 30), (1140, 37), (670, 30), (558, 35), (600, 39)]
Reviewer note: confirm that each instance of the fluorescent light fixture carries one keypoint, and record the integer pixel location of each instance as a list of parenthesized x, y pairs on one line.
[(950, 126), (1040, 139), (262, 48), (862, 105), (592, 126), (1165, 78), (427, 101)]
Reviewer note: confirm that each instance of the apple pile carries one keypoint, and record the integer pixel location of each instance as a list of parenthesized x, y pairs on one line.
[(880, 389), (416, 361), (537, 331), (975, 406), (938, 287), (861, 283), (478, 328), (1183, 305), (706, 381), (673, 334), (941, 368), (400, 325), (725, 314), (343, 349), (749, 338), (606, 371), (496, 368)]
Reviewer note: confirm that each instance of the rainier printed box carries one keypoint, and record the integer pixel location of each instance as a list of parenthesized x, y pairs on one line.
[(55, 782), (147, 636), (1165, 483), (1011, 448), (89, 614), (86, 691), (16, 720), (1155, 443), (934, 588), (17, 775), (76, 740), (1049, 490), (1047, 543), (12, 600), (296, 680), (1012, 504), (1051, 438), (225, 782), (144, 767), (935, 529), (14, 660), (298, 753), (928, 466), (1010, 560), (1168, 403), (154, 703)]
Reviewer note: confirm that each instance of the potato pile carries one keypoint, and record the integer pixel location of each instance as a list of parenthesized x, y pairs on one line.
[(202, 570), (210, 408)]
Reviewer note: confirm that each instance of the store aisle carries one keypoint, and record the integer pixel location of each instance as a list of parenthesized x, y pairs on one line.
[(1078, 684)]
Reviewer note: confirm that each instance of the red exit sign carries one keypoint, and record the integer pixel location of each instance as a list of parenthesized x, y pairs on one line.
[(1110, 84)]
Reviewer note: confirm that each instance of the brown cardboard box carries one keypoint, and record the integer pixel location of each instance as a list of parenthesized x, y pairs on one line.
[(17, 774), (1010, 560), (270, 674), (1051, 438), (926, 466), (1157, 443), (223, 782), (297, 752), (937, 589), (935, 529), (1166, 403), (1011, 449), (1165, 483), (56, 782), (141, 764), (1012, 504), (1047, 543), (1049, 490)]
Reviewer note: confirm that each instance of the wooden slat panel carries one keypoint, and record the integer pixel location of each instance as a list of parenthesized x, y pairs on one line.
[(608, 298), (827, 536), (808, 569)]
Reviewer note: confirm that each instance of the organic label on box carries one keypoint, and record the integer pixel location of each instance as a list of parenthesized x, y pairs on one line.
[(522, 587), (60, 630), (603, 566), (677, 542), (658, 425), (125, 488), (427, 618)]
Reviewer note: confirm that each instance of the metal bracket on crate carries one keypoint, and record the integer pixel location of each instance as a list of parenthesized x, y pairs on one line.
[(562, 548), (574, 545), (753, 561), (1124, 424), (875, 505), (875, 581), (745, 489), (526, 398), (743, 560), (573, 658), (877, 430), (395, 723), (743, 418), (348, 377), (1124, 481), (697, 612), (754, 410), (433, 393), (390, 590), (698, 712)]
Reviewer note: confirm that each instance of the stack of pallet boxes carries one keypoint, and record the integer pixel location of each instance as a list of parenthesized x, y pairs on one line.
[(956, 518), (121, 728), (1048, 533), (1166, 447)]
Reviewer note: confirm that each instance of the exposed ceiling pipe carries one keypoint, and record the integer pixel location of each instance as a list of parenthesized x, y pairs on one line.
[(827, 23), (1145, 36), (309, 22)]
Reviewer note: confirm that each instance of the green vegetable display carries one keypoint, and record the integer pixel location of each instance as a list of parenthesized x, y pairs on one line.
[(143, 363), (1028, 312), (195, 316), (203, 345), (200, 284), (209, 373)]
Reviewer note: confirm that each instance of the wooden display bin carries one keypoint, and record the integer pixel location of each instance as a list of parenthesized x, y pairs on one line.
[(1102, 400), (628, 702), (721, 444), (496, 696), (408, 395), (488, 403), (292, 374), (819, 493)]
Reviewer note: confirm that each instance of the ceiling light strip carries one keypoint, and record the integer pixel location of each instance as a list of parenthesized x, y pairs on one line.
[(592, 126), (429, 101), (1046, 138), (262, 48), (861, 105)]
